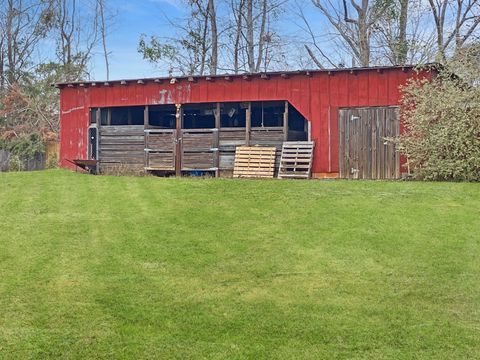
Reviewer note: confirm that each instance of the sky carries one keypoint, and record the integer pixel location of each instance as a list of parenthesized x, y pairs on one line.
[(132, 19)]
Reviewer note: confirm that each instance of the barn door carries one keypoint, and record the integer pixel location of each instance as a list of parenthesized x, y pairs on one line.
[(364, 152)]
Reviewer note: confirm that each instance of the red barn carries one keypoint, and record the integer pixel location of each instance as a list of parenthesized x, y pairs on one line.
[(194, 123)]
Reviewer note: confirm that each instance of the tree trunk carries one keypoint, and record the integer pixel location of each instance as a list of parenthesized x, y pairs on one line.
[(214, 36), (250, 44), (402, 51)]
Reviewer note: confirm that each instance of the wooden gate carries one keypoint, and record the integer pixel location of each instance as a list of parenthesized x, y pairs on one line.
[(160, 149), (364, 151)]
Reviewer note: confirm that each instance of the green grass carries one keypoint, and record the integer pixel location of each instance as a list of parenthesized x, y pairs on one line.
[(121, 267)]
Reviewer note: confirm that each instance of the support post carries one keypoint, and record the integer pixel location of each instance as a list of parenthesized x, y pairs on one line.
[(248, 123), (178, 140), (217, 138), (146, 158), (146, 123), (285, 122), (98, 119)]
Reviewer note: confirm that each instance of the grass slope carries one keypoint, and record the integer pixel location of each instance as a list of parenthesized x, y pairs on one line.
[(118, 267)]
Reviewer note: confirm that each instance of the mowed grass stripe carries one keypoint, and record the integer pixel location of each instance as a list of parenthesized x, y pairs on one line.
[(122, 267)]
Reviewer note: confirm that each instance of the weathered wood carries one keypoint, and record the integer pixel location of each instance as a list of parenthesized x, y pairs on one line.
[(364, 151), (146, 120), (198, 160), (199, 140), (296, 159), (178, 140), (248, 123), (98, 122), (216, 144), (161, 161), (123, 145), (163, 141), (226, 160), (285, 122)]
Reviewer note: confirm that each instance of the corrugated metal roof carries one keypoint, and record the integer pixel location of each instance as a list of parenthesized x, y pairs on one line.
[(264, 75)]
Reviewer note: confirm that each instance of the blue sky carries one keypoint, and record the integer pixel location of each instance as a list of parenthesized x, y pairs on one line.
[(136, 17), (132, 18)]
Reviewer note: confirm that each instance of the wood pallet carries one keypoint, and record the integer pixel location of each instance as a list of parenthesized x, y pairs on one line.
[(296, 160), (254, 162)]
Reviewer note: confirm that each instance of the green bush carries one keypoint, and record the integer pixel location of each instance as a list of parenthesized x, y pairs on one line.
[(15, 163), (442, 126), (21, 149)]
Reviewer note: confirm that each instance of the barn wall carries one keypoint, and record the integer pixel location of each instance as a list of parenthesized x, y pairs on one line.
[(318, 97)]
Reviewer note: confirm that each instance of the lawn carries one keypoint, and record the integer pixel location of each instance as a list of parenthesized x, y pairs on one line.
[(130, 268)]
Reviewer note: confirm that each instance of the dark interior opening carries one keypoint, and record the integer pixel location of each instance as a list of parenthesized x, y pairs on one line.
[(267, 113), (104, 116), (93, 116), (162, 116), (127, 115), (233, 114), (199, 116), (297, 125)]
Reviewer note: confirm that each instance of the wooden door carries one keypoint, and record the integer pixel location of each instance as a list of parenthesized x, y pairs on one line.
[(364, 151)]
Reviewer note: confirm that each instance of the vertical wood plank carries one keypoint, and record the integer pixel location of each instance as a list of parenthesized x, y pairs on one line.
[(178, 140), (146, 122), (341, 142), (285, 122), (373, 141), (217, 138), (248, 123), (99, 125), (145, 126)]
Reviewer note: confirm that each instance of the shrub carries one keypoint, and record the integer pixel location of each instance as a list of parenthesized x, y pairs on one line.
[(15, 163), (442, 125)]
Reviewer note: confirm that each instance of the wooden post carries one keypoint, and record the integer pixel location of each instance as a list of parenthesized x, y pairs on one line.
[(146, 158), (146, 119), (285, 122), (99, 125), (248, 123), (217, 138), (109, 116), (178, 140)]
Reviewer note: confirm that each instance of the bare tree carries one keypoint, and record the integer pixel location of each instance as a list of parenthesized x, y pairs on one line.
[(256, 43), (103, 33), (77, 33), (403, 34), (354, 22), (466, 19)]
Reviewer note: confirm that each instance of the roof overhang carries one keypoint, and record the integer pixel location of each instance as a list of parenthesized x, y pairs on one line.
[(244, 76)]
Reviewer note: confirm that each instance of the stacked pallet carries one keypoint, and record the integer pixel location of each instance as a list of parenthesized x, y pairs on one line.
[(296, 160), (254, 162)]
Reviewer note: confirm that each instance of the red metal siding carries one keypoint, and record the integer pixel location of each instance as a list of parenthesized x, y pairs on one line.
[(317, 96)]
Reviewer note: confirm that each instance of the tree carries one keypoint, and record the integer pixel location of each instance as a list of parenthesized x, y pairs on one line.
[(76, 31), (354, 22), (245, 41), (23, 24), (195, 46), (466, 20), (257, 44)]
